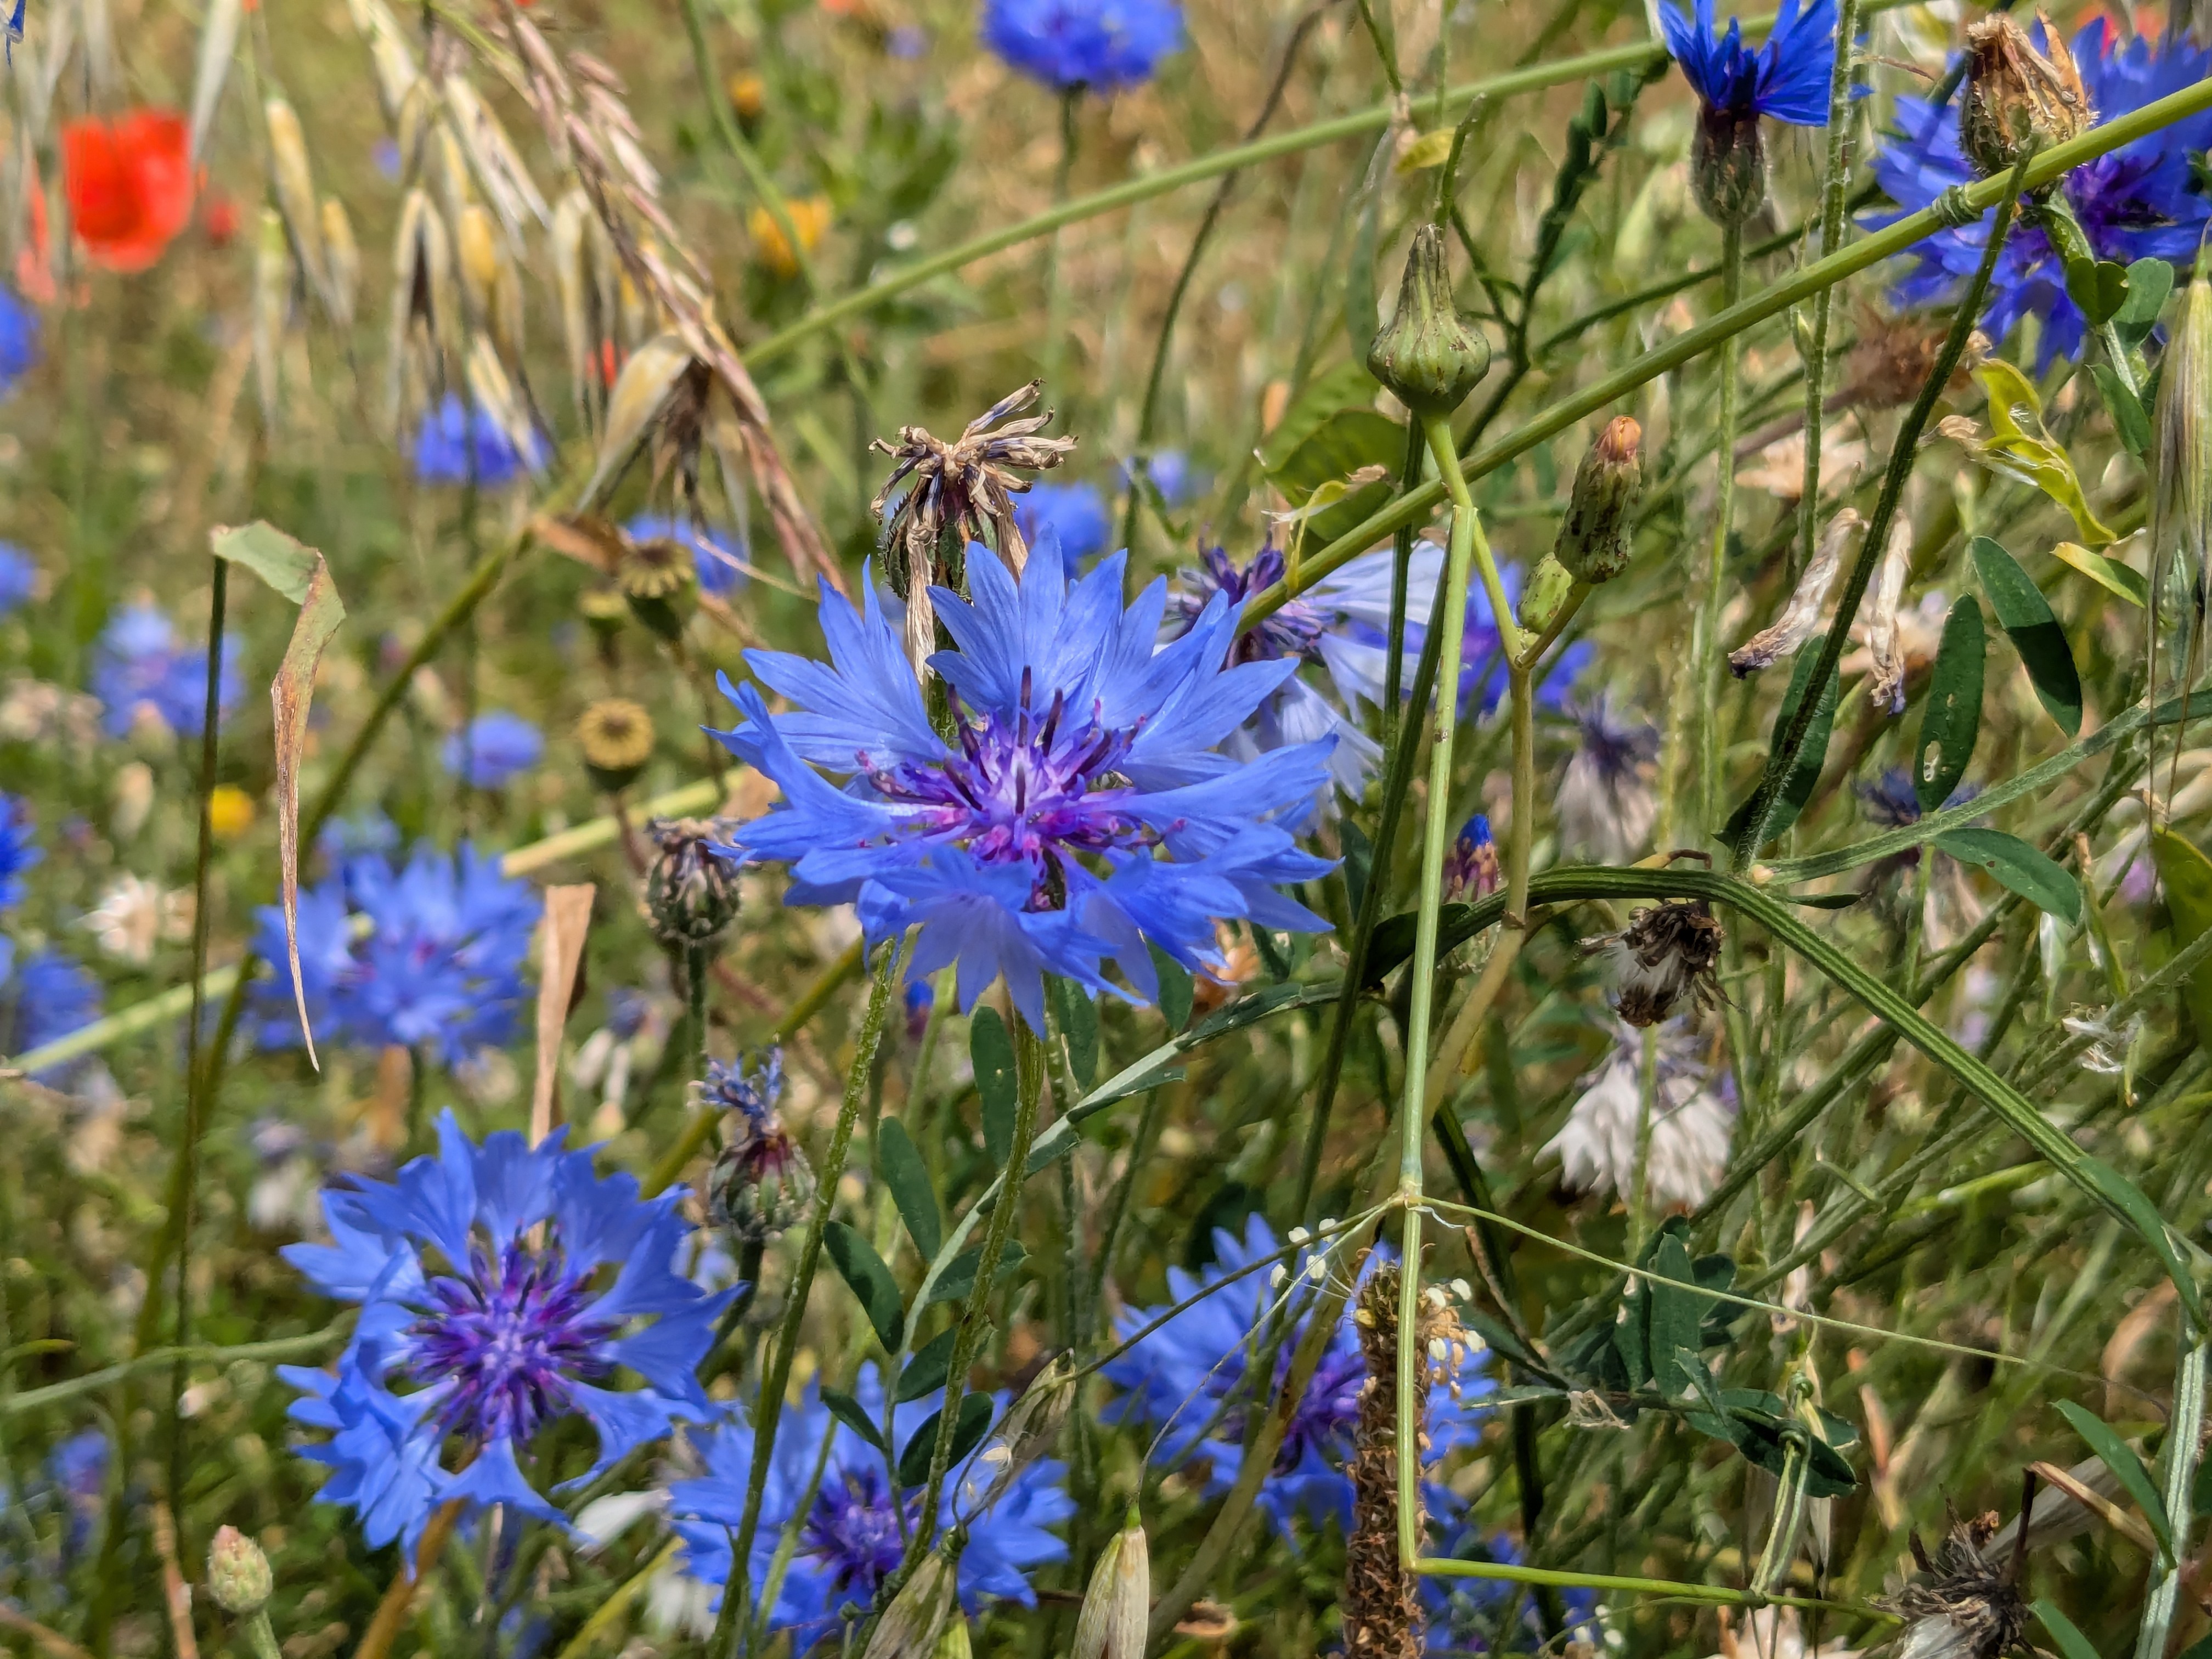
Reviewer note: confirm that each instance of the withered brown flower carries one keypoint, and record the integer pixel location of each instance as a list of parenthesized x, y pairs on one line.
[(1665, 953), (2016, 96), (1961, 1605)]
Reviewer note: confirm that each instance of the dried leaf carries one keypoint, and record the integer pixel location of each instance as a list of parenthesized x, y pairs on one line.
[(567, 921), (294, 186)]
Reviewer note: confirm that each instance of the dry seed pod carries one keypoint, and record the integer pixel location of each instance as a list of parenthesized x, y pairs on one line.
[(1667, 953), (342, 261), (571, 280), (294, 186), (2016, 96), (422, 343), (495, 394), (493, 158), (1119, 1601)]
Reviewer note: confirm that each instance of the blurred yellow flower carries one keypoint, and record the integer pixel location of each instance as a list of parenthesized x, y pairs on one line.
[(810, 217), (748, 94), (230, 811)]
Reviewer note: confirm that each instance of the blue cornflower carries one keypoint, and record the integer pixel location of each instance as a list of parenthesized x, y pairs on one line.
[(501, 1288), (1191, 1378), (854, 1534), (140, 666), (370, 830), (460, 445), (440, 964), (19, 340), (18, 850), (1101, 45), (1075, 513), (19, 577), (1034, 846), (718, 563), (1788, 78), (494, 747), (44, 997), (2139, 201), (1472, 869)]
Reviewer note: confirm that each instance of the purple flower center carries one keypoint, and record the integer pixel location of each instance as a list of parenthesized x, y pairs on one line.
[(1293, 631), (1029, 791), (853, 1531), (510, 1340)]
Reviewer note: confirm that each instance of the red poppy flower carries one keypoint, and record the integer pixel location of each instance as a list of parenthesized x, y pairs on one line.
[(128, 186)]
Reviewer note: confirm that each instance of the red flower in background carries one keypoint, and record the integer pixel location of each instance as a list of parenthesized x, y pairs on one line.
[(128, 186)]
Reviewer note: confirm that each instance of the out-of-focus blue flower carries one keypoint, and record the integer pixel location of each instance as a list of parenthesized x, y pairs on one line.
[(501, 1287), (367, 831), (921, 997), (140, 665), (852, 1535), (718, 561), (907, 42), (1192, 1378), (19, 340), (441, 963), (1171, 474), (19, 850), (1101, 45), (19, 577), (457, 445), (384, 152), (2139, 201), (1788, 78), (1075, 513), (1606, 806), (1083, 754), (78, 1468), (1471, 870), (492, 748), (44, 997)]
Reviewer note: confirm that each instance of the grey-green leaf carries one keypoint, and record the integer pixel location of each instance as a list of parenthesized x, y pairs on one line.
[(968, 1431), (959, 1275), (2026, 616), (1079, 1028), (899, 1162), (2026, 870), (2120, 1458), (2149, 282), (1952, 720), (1805, 771), (2072, 1644), (992, 1052), (871, 1282), (1174, 990)]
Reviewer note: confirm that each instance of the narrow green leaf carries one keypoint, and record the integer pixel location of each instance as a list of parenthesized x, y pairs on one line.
[(959, 1277), (849, 1412), (1359, 858), (2027, 618), (2108, 574), (1805, 771), (991, 1052), (1951, 722), (1079, 1028), (2072, 1644), (925, 1372), (899, 1162), (1675, 1316), (2120, 1458), (1631, 1336), (871, 1282), (290, 696), (2186, 875), (1716, 1419), (2128, 421), (2128, 1200), (2026, 870), (1174, 990), (968, 1431)]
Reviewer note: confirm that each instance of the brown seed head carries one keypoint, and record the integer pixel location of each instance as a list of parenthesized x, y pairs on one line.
[(2016, 96)]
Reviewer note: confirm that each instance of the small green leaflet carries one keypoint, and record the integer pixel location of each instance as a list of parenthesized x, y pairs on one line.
[(1805, 771), (2128, 421), (2186, 875), (1079, 1028), (959, 1275), (2099, 287), (2120, 1458), (899, 1162), (2072, 1644), (1174, 990), (991, 1052), (2024, 869), (2026, 619), (2149, 282), (2111, 575), (849, 1412), (968, 1431), (1951, 722), (925, 1372), (871, 1282)]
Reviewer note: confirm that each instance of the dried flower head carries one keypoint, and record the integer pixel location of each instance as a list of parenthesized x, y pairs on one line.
[(1801, 617), (1665, 953), (966, 487), (617, 737), (2016, 96), (1961, 1605), (657, 576)]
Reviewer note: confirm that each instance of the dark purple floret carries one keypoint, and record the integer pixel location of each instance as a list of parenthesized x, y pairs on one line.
[(510, 1341), (1295, 631), (853, 1532)]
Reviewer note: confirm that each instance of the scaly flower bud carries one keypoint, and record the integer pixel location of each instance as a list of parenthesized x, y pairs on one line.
[(1428, 355), (657, 575), (237, 1573), (1728, 164), (1471, 869), (2016, 96), (691, 891), (762, 1182), (1116, 1606), (1547, 588), (1594, 538)]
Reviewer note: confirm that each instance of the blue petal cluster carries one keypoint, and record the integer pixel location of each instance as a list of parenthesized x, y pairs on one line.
[(440, 964), (44, 997), (1084, 809), (501, 1287), (854, 1534), (19, 577), (18, 848), (1788, 78), (719, 563), (2141, 201), (1191, 1378), (140, 665), (494, 747), (458, 444), (1074, 512), (1100, 45), (19, 340)]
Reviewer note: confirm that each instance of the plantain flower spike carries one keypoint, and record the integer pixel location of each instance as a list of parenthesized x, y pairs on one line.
[(1428, 355), (1595, 537), (1119, 1601), (2016, 96)]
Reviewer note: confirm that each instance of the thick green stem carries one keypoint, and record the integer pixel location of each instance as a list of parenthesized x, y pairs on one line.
[(1710, 744)]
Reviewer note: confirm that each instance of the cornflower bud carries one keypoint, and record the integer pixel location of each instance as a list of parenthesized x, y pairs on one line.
[(1428, 355), (617, 737), (691, 891), (2016, 96), (1728, 164), (237, 1573), (1594, 538), (1547, 588), (762, 1182)]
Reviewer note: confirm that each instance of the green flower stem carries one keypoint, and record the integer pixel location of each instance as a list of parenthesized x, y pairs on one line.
[(611, 1612), (768, 1407), (1436, 839), (1416, 506), (1706, 632), (260, 1637), (734, 140), (1833, 223), (1905, 451), (277, 1349), (1600, 1581)]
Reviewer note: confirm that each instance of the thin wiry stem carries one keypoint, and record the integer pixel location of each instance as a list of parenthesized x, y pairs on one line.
[(1707, 653), (1836, 177)]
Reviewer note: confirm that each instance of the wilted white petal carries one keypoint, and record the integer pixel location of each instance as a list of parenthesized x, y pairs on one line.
[(1801, 618)]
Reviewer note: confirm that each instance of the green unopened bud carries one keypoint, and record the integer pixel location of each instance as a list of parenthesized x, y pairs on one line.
[(2017, 97), (237, 1573), (1549, 584), (1429, 356), (760, 1185), (1728, 165), (2181, 503), (691, 891), (1119, 1601), (1595, 537)]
